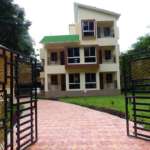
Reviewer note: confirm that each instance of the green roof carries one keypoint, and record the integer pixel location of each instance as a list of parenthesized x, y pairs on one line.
[(60, 39)]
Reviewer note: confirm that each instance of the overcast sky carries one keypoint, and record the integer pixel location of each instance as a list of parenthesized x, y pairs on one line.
[(52, 17)]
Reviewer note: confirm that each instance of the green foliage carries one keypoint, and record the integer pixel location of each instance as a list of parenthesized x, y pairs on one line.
[(143, 43), (14, 28), (140, 49)]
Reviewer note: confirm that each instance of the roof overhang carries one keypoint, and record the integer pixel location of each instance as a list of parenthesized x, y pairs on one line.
[(77, 5), (60, 39)]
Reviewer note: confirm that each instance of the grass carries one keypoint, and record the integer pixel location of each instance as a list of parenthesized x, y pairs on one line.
[(109, 104)]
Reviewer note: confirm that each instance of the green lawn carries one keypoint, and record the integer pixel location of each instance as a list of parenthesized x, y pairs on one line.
[(114, 103)]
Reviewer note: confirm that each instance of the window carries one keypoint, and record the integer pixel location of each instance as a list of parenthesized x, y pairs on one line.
[(74, 81), (73, 55), (88, 28), (54, 79), (107, 54), (53, 56), (89, 53), (107, 31), (90, 80), (99, 32), (109, 78)]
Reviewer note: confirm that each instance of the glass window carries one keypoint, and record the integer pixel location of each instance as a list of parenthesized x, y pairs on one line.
[(107, 54), (74, 81), (90, 54), (53, 56), (109, 78), (73, 55), (99, 30), (90, 80), (88, 28), (107, 31)]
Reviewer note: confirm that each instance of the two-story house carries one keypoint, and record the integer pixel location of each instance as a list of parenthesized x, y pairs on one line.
[(85, 62)]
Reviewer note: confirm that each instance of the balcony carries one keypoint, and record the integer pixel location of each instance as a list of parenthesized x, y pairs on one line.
[(81, 58)]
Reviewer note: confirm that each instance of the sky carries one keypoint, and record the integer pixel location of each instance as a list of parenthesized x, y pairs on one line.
[(52, 17)]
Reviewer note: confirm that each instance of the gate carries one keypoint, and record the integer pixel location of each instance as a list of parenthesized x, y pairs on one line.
[(137, 95), (18, 91)]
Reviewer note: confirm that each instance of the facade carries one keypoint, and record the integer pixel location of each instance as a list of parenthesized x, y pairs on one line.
[(85, 62)]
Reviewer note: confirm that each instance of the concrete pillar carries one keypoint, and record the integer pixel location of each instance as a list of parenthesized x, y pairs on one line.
[(118, 79), (82, 81), (45, 72), (97, 81), (117, 62), (82, 55), (46, 83), (67, 82)]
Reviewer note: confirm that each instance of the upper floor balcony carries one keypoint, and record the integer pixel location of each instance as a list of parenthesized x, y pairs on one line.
[(102, 33), (81, 58)]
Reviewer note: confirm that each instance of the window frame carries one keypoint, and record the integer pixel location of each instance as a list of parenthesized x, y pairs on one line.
[(106, 56), (56, 57), (88, 30), (89, 55), (106, 31), (90, 82), (73, 57), (74, 82)]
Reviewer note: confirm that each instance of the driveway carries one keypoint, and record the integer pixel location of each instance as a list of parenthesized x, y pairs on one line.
[(69, 127)]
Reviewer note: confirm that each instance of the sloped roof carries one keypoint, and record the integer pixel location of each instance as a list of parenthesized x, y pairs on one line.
[(77, 5), (60, 39)]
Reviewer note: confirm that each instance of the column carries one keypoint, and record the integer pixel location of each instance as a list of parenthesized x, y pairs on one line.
[(67, 82), (118, 68), (82, 81), (81, 55), (97, 81), (45, 72)]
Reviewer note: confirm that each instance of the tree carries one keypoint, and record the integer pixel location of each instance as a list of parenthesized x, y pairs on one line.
[(14, 28), (140, 49), (143, 43)]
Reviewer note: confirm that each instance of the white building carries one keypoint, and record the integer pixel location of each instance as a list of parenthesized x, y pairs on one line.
[(85, 60)]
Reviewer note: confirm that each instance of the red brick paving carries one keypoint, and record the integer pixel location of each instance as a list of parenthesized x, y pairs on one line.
[(69, 127)]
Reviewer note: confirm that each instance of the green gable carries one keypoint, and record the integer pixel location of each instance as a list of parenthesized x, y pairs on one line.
[(60, 39)]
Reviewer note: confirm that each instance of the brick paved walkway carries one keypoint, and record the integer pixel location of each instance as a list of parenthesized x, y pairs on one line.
[(69, 127)]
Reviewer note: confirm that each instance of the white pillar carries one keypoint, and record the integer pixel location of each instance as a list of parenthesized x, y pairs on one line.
[(45, 72), (46, 82), (118, 79), (67, 82), (82, 81), (82, 55), (117, 62), (97, 81)]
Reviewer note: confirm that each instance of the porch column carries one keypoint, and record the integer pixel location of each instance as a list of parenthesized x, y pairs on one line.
[(45, 73), (82, 55), (117, 62), (67, 82), (97, 81), (118, 80), (82, 81)]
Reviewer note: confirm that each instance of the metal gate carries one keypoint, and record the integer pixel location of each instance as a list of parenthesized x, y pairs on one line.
[(137, 95), (19, 96)]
